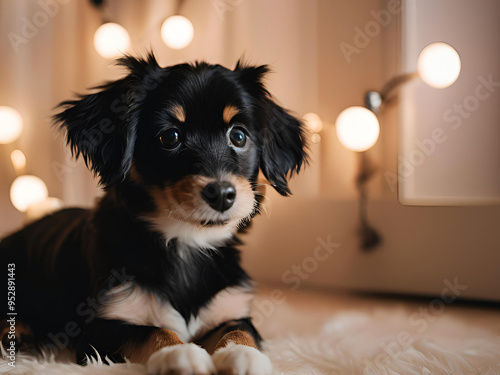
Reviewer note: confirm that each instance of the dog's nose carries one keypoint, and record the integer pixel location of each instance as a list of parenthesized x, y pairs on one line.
[(219, 195)]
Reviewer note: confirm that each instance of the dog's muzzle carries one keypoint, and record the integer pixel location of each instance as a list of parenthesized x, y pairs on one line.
[(219, 195)]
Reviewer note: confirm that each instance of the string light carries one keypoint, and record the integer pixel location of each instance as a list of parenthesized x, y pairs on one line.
[(42, 208), (439, 65), (27, 190), (315, 138), (177, 32), (11, 125), (313, 122), (357, 128), (111, 40), (18, 161)]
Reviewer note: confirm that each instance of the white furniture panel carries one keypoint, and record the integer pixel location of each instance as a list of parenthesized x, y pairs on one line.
[(450, 138)]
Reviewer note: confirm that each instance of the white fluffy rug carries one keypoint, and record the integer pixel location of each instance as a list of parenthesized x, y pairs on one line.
[(315, 336)]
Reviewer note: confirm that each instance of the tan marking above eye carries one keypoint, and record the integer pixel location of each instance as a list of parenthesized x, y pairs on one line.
[(178, 111), (229, 112)]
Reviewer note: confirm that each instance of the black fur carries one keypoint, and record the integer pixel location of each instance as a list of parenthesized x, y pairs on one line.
[(67, 261)]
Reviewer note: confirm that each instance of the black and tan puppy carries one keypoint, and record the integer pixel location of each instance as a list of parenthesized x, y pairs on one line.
[(152, 273)]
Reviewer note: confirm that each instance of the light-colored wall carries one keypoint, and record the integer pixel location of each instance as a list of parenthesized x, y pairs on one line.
[(422, 247), (301, 41)]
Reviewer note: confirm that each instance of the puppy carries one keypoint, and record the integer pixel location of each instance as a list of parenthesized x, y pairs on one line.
[(152, 273)]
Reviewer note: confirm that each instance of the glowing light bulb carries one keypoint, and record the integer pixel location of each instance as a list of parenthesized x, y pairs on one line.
[(439, 65), (313, 121), (315, 138), (11, 125), (40, 209), (357, 128), (18, 160), (177, 32), (111, 40), (27, 190)]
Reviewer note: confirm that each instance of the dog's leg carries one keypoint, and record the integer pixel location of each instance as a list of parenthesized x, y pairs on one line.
[(178, 358), (18, 334), (236, 349), (159, 349)]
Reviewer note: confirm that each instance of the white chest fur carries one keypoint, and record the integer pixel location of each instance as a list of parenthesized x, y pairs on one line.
[(133, 304)]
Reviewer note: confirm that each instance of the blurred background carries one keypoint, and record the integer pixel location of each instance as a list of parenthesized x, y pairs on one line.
[(431, 182)]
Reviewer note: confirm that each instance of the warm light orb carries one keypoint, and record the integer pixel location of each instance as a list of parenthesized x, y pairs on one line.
[(27, 190), (11, 125), (357, 128), (315, 138), (177, 32), (45, 207), (313, 122), (439, 65), (18, 160), (111, 40)]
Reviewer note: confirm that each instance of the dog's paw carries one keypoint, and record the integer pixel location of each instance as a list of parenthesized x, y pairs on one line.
[(241, 360), (183, 359)]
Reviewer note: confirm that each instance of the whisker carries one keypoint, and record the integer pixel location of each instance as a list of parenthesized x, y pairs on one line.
[(198, 177), (264, 207), (262, 184)]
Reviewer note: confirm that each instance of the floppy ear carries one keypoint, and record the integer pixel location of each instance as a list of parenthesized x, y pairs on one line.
[(101, 127), (283, 148), (283, 145)]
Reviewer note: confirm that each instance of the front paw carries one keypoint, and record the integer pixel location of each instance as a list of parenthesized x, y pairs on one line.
[(241, 360), (183, 359)]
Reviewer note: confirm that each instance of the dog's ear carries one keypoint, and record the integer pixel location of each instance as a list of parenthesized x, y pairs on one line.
[(283, 147), (282, 138), (101, 127)]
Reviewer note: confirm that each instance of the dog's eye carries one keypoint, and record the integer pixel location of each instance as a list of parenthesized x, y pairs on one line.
[(170, 138), (238, 137)]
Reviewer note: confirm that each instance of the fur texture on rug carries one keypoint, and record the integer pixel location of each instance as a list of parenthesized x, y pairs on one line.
[(349, 342)]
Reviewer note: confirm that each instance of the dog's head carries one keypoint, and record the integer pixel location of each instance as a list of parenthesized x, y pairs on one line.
[(191, 138)]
